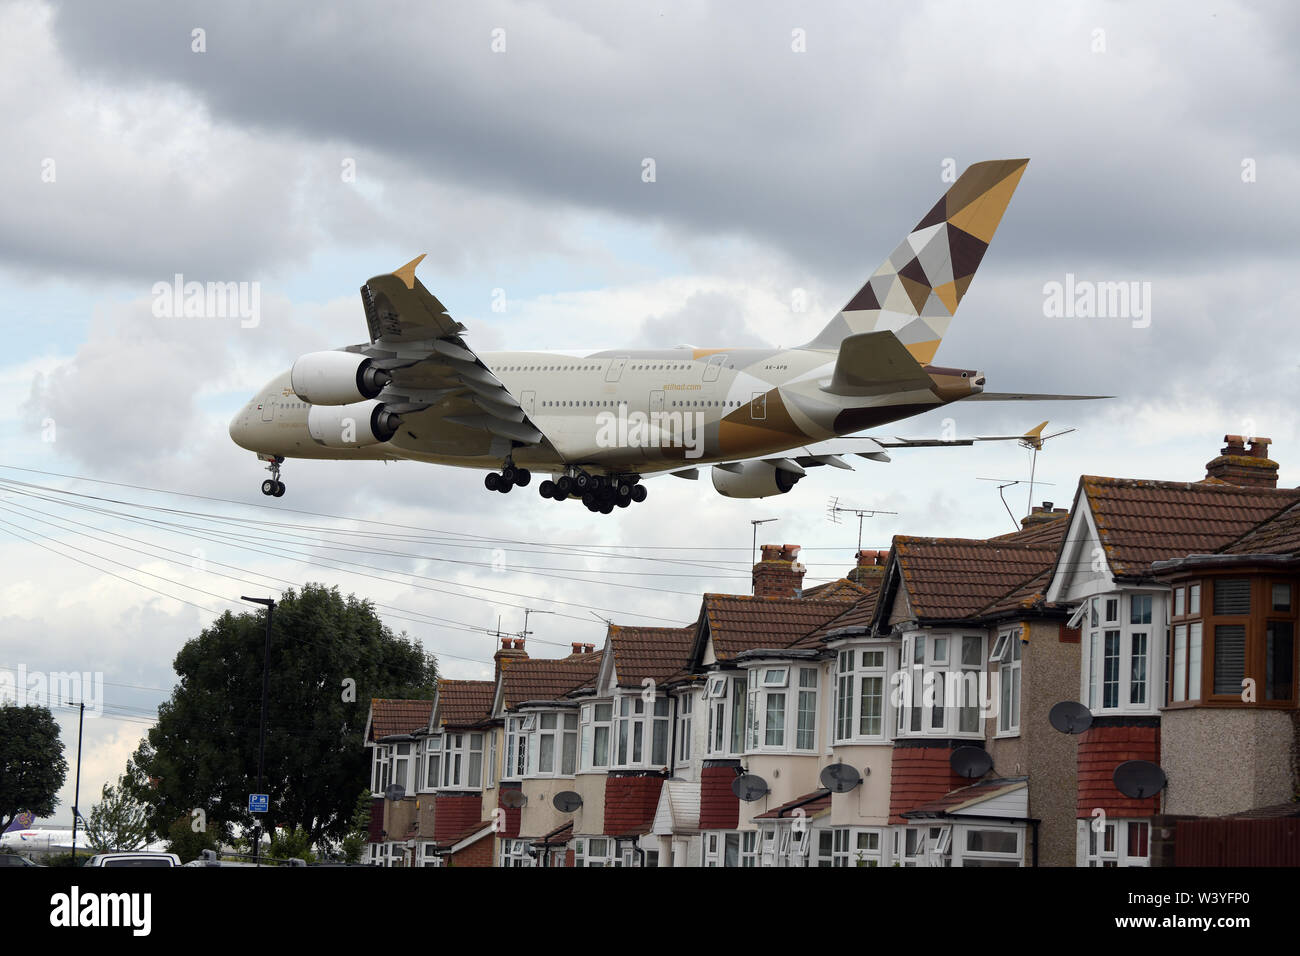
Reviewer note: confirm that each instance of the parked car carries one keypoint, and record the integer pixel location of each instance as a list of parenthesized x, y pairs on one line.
[(13, 859), (136, 858)]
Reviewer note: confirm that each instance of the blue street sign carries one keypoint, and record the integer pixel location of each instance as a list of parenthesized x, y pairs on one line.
[(258, 802)]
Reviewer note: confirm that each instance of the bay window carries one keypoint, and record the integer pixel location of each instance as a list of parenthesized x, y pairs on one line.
[(939, 689), (432, 762), (726, 697), (1120, 669), (1006, 654), (685, 705), (737, 848), (517, 729), (462, 761), (782, 709), (987, 846), (553, 749), (641, 732), (1117, 842), (860, 678), (380, 770)]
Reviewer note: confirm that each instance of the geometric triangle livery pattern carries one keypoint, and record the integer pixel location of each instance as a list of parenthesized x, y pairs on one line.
[(917, 289)]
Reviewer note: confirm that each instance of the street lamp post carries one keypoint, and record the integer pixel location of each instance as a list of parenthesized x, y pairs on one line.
[(269, 604)]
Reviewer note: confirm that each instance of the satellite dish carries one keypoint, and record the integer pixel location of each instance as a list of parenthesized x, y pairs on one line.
[(749, 787), (1070, 717), (1139, 779), (513, 799), (566, 801), (395, 792), (839, 778), (970, 762)]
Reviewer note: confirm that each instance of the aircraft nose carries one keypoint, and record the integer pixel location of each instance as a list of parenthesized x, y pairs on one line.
[(238, 427)]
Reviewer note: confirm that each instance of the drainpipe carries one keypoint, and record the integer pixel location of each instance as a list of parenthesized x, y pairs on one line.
[(672, 739)]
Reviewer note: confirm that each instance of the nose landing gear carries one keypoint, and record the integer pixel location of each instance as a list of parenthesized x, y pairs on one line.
[(273, 487)]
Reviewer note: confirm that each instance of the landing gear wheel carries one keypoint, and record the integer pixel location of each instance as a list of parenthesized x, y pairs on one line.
[(606, 508), (546, 489), (589, 499), (279, 490), (638, 493), (582, 481), (623, 502), (564, 485), (504, 486), (508, 474), (624, 490), (269, 486), (492, 481), (522, 477)]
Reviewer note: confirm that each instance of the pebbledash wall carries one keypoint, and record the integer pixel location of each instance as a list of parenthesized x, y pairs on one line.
[(1223, 760)]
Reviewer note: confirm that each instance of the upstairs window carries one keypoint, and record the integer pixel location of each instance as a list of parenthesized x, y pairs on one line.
[(1119, 667), (462, 761), (782, 709)]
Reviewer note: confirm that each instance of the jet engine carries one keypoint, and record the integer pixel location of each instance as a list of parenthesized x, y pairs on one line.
[(754, 479), (352, 426), (336, 378)]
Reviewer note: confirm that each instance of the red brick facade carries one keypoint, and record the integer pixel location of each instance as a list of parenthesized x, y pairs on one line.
[(478, 853), (1104, 746), (377, 820), (630, 804), (453, 814), (919, 773), (719, 807)]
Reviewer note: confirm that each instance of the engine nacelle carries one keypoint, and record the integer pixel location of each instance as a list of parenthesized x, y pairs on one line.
[(352, 426), (756, 479), (336, 378)]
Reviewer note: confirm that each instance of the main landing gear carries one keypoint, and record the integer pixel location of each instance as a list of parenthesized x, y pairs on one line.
[(273, 487), (507, 478), (601, 493)]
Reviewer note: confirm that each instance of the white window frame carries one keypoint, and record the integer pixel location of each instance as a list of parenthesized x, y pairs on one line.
[(1008, 654), (763, 735), (962, 855), (516, 764), (853, 669), (432, 763), (940, 653), (636, 719), (458, 751), (597, 715), (380, 770), (685, 719), (561, 727), (1093, 849), (1109, 618)]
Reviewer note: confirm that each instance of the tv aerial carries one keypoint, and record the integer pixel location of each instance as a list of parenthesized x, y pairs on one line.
[(834, 509), (970, 762), (1070, 717), (839, 778), (513, 799), (1032, 440), (567, 801), (749, 787), (1139, 779)]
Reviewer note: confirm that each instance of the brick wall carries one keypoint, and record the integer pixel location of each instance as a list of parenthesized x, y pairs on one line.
[(455, 813), (920, 772), (477, 854)]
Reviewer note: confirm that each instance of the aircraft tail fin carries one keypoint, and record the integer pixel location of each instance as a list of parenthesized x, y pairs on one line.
[(22, 821), (917, 289)]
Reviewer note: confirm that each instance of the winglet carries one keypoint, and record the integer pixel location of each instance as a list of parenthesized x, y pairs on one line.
[(1034, 437), (407, 272)]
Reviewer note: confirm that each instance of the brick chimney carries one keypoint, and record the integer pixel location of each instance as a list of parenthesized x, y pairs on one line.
[(512, 649), (870, 569), (1039, 515), (779, 573), (1243, 462)]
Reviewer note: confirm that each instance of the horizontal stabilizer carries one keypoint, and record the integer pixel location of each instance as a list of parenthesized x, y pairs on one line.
[(872, 363), (1030, 397)]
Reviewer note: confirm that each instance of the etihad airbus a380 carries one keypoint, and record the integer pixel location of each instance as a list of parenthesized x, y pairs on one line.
[(599, 422)]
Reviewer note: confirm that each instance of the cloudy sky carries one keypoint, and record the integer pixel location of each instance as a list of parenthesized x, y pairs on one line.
[(306, 149)]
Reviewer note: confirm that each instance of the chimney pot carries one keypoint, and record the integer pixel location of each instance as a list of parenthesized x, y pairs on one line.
[(506, 643), (575, 647), (589, 648), (1235, 465)]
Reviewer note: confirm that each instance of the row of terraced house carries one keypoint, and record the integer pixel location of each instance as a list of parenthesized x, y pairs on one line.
[(1166, 608)]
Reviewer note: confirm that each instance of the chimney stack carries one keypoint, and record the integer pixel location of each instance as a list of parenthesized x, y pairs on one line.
[(779, 573), (1039, 515), (512, 649), (1239, 464), (870, 569)]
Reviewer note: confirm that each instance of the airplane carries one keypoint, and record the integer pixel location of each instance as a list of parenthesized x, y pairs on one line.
[(21, 837), (599, 422)]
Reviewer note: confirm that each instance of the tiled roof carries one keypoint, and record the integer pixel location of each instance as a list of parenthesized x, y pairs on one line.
[(630, 804), (970, 796), (561, 834), (389, 717), (451, 839), (839, 590), (463, 703), (1144, 521), (657, 653), (1029, 594), (956, 578), (740, 622), (540, 678), (1047, 530), (819, 801), (1277, 535), (858, 615)]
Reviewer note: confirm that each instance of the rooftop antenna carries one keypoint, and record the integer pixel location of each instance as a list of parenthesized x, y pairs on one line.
[(1033, 440), (753, 549), (834, 509), (523, 635)]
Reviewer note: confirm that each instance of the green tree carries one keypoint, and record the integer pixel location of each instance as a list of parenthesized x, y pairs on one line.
[(286, 844), (354, 844), (187, 842), (119, 821), (329, 656), (32, 765)]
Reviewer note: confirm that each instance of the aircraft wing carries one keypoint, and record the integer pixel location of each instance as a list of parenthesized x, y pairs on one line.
[(1029, 397), (447, 397), (832, 451)]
